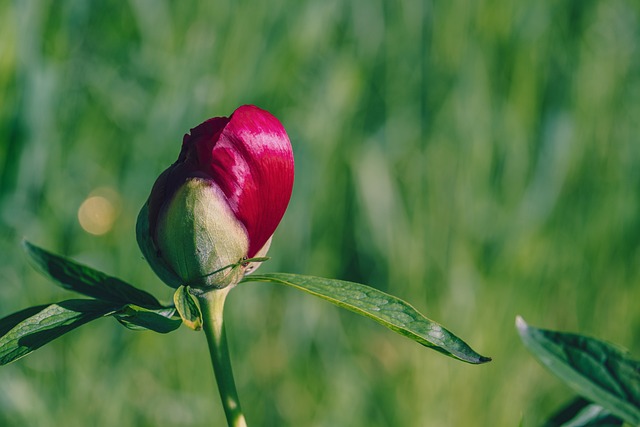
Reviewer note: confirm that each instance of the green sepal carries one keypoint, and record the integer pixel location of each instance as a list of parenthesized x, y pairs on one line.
[(188, 308), (150, 251), (388, 310)]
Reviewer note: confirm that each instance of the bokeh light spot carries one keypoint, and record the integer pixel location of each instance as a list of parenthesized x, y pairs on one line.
[(98, 212)]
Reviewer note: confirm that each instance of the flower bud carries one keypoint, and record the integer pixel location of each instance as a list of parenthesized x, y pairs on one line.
[(220, 202)]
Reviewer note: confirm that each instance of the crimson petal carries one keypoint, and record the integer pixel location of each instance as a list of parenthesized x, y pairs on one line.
[(251, 160)]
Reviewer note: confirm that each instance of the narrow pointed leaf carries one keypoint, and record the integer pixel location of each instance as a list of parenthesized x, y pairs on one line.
[(593, 416), (87, 281), (9, 322), (582, 413), (390, 311), (596, 370), (38, 326), (138, 319), (188, 308)]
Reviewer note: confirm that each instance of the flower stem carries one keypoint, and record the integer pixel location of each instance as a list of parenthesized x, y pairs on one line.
[(212, 307)]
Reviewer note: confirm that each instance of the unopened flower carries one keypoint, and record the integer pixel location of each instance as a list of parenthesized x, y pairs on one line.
[(220, 202)]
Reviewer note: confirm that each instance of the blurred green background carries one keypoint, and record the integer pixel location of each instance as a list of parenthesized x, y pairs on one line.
[(479, 159)]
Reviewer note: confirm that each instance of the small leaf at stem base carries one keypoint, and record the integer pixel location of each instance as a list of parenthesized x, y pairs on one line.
[(188, 308)]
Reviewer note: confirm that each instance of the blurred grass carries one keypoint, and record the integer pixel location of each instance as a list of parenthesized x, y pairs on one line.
[(479, 160)]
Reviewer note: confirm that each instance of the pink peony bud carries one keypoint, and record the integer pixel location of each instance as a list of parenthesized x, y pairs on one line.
[(220, 202)]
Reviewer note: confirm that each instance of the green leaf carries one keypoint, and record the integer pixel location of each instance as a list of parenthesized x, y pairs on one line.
[(87, 281), (30, 329), (9, 322), (596, 370), (582, 413), (188, 308), (138, 318), (392, 312)]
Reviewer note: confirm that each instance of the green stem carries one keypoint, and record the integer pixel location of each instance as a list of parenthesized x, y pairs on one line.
[(212, 306)]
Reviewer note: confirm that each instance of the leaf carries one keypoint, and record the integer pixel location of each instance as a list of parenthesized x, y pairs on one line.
[(582, 413), (596, 370), (188, 308), (87, 281), (139, 318), (36, 326), (9, 322), (390, 311)]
